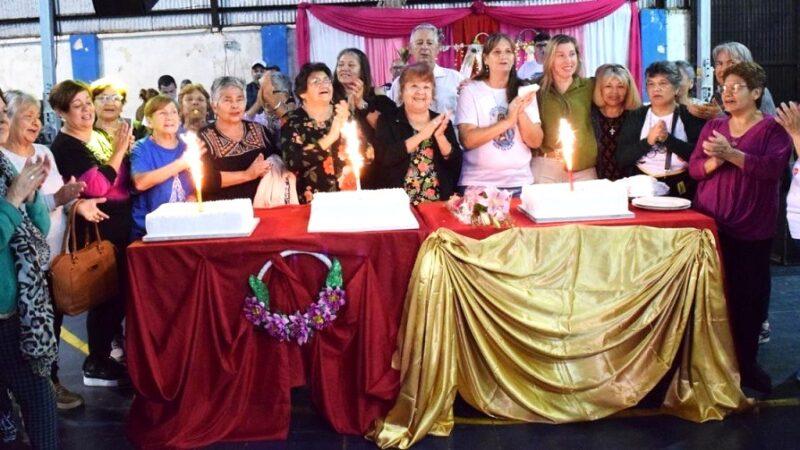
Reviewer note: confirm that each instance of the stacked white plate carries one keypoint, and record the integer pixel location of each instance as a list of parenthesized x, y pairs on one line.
[(661, 203)]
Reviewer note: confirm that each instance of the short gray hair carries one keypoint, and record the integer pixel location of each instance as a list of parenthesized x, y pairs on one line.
[(19, 101), (225, 82), (281, 82), (735, 50), (425, 27)]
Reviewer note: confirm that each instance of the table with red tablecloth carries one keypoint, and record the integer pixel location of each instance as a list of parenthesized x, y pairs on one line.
[(203, 373)]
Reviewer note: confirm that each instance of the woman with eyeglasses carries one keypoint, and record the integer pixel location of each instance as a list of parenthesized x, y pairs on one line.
[(565, 94), (739, 162), (109, 98), (615, 95), (311, 139), (658, 139), (106, 175)]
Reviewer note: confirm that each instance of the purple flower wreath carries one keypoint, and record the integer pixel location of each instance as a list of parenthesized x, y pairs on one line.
[(298, 326)]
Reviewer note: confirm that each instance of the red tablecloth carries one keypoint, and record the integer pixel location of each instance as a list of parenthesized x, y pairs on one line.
[(437, 216), (203, 374)]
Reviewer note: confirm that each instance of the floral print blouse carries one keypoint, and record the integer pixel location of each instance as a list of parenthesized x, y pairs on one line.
[(317, 169), (421, 182)]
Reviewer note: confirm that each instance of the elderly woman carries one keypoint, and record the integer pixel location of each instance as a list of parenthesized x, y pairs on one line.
[(416, 148), (23, 112), (353, 77), (739, 161), (497, 127), (158, 169), (311, 138), (726, 55), (28, 346), (193, 106), (565, 94), (424, 46), (615, 95), (109, 99), (237, 150), (105, 177), (658, 139), (274, 102)]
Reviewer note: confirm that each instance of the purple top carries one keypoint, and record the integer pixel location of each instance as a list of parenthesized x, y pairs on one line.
[(744, 202)]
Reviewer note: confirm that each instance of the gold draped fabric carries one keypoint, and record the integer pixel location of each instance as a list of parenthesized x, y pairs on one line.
[(562, 324)]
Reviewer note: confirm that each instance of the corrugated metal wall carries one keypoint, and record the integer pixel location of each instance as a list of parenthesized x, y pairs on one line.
[(771, 30), (19, 18)]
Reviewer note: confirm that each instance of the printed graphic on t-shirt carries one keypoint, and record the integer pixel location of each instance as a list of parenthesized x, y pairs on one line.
[(177, 194), (505, 140)]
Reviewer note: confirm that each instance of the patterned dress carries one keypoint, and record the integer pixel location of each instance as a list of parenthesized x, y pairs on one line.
[(607, 131), (421, 182), (316, 169)]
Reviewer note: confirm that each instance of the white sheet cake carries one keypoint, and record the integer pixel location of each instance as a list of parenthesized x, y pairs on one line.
[(365, 210), (595, 199), (186, 219)]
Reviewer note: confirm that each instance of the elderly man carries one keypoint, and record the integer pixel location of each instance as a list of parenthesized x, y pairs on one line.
[(424, 44)]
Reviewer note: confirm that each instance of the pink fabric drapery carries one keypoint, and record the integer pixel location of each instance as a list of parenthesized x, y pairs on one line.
[(381, 53), (373, 23), (514, 30)]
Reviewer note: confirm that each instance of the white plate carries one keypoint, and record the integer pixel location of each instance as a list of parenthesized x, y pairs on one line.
[(662, 203), (247, 231)]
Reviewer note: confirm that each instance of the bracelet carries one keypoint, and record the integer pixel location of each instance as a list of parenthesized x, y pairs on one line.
[(272, 110)]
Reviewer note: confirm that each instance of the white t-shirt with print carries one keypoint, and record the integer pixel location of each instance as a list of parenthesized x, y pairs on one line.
[(505, 161), (653, 162), (51, 185)]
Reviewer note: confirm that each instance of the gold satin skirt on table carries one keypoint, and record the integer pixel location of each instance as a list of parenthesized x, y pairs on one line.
[(562, 324)]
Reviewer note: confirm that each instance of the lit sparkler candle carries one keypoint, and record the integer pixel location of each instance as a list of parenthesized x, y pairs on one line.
[(192, 156), (566, 136), (350, 133)]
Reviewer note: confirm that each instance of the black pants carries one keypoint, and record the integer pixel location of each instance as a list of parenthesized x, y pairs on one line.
[(104, 322), (748, 286)]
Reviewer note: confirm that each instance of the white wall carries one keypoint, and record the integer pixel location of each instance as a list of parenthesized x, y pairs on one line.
[(138, 59)]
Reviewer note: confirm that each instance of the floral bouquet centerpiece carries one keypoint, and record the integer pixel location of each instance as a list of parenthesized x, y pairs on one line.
[(482, 206)]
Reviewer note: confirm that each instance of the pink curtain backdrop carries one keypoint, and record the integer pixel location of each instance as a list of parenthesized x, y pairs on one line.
[(372, 22), (514, 30), (381, 53)]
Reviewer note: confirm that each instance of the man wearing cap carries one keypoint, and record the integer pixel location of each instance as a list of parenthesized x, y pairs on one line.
[(257, 69), (533, 68)]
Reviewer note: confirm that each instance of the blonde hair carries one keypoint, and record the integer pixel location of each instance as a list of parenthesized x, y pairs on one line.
[(550, 59), (620, 72)]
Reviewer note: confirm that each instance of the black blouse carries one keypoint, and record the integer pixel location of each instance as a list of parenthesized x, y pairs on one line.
[(392, 160), (227, 155)]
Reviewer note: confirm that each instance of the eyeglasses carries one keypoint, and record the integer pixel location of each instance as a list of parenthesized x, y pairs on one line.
[(319, 81), (108, 98), (733, 88), (659, 86)]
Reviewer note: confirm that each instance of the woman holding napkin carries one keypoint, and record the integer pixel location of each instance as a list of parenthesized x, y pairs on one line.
[(497, 126)]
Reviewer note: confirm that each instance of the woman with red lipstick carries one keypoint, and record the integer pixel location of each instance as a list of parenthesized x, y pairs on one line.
[(77, 156), (658, 139), (738, 162)]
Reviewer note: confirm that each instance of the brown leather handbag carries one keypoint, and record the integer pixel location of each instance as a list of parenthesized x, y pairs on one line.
[(83, 278)]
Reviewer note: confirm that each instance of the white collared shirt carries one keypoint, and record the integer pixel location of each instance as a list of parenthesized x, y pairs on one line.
[(447, 81)]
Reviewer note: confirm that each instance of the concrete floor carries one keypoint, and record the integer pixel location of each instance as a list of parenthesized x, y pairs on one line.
[(774, 425)]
